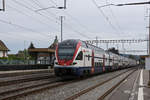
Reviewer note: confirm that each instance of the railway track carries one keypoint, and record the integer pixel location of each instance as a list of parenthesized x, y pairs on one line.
[(41, 86), (100, 84), (25, 78), (28, 88), (5, 74), (17, 92)]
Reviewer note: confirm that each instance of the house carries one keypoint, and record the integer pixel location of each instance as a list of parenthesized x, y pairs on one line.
[(43, 55), (3, 49)]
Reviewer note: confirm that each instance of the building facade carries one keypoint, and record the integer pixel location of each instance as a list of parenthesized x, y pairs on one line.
[(43, 55), (3, 49)]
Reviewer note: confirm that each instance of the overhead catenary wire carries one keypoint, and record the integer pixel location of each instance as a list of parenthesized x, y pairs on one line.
[(41, 6), (68, 26), (76, 31), (53, 2), (28, 3), (22, 27), (78, 22), (73, 18), (103, 14), (43, 15), (114, 17), (81, 34), (37, 3), (34, 18), (67, 23), (25, 36)]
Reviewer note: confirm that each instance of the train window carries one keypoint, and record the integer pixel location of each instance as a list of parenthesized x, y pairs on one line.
[(95, 64), (110, 60), (80, 56), (99, 64), (84, 44)]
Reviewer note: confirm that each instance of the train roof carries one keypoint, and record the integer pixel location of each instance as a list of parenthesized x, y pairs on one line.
[(69, 41), (87, 45)]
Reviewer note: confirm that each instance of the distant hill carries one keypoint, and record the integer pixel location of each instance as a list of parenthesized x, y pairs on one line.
[(137, 57)]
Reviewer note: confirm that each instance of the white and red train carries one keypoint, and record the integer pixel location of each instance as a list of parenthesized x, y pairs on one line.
[(77, 58)]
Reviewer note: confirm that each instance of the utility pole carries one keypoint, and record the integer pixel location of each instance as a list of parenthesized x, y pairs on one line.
[(149, 47), (149, 35), (3, 5), (107, 45), (64, 7), (117, 47), (64, 4), (96, 41), (61, 20), (61, 29), (123, 48)]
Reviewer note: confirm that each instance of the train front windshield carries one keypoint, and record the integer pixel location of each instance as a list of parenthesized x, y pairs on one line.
[(66, 49)]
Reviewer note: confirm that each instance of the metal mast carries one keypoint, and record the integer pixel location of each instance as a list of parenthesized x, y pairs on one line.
[(61, 19), (3, 8)]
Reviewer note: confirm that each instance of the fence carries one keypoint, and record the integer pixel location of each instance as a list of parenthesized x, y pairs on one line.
[(6, 65), (16, 62)]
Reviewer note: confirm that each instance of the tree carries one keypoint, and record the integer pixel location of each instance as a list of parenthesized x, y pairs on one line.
[(113, 50), (131, 56), (31, 46)]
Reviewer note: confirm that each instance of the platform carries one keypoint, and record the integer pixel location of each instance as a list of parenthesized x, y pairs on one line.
[(23, 72), (133, 88)]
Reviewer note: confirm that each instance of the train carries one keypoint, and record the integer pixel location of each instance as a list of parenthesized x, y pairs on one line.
[(75, 57)]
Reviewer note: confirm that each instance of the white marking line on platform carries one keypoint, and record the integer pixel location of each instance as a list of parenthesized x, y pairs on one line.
[(132, 95), (140, 93)]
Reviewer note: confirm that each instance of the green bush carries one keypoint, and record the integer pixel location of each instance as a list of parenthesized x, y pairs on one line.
[(5, 58)]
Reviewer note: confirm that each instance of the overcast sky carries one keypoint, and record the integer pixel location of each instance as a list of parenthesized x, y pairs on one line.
[(20, 23)]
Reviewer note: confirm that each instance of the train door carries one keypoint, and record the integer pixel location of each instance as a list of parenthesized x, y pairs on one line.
[(86, 59), (92, 68)]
